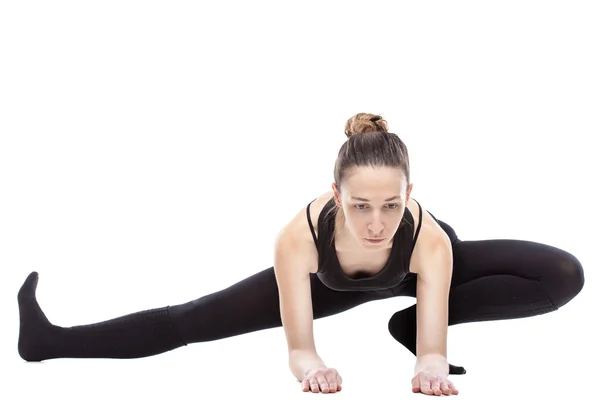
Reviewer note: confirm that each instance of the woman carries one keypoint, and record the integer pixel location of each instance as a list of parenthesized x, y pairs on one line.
[(364, 240)]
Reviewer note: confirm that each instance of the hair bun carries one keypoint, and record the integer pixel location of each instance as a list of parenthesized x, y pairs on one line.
[(365, 123)]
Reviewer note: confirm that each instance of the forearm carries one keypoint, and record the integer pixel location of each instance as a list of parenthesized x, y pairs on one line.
[(301, 361)]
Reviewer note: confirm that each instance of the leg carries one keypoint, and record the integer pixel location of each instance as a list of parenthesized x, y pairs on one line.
[(247, 306), (251, 305), (499, 279), (507, 279)]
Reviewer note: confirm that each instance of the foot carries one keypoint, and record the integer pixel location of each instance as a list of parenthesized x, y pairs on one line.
[(34, 327), (456, 370)]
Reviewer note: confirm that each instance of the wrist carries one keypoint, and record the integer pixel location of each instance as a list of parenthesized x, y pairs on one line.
[(302, 362), (431, 362), (431, 357)]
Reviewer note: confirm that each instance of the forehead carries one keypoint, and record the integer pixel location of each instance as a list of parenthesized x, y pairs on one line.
[(375, 183)]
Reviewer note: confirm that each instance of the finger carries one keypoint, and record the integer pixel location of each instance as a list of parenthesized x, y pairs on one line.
[(435, 387), (452, 387), (323, 384), (445, 389), (305, 385), (416, 385), (331, 382), (314, 385), (426, 386), (339, 382)]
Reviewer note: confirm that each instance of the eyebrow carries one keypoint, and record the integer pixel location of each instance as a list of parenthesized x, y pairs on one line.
[(363, 199)]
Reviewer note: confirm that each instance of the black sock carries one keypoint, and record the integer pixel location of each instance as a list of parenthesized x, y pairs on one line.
[(140, 334), (403, 328)]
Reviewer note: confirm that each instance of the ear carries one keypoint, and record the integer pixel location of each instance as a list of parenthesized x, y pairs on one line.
[(336, 195), (408, 191)]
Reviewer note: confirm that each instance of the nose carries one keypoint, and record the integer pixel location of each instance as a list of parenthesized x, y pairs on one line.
[(376, 227)]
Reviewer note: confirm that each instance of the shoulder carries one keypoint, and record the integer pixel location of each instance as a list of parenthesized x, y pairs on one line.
[(300, 222), (432, 245), (296, 235)]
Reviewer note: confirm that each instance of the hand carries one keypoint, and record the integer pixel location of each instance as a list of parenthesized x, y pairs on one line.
[(327, 380), (433, 382)]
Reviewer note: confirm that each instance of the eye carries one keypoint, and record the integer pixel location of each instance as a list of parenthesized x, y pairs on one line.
[(393, 206), (360, 206)]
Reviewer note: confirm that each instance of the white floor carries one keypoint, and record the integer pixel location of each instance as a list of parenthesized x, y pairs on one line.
[(140, 142), (544, 357)]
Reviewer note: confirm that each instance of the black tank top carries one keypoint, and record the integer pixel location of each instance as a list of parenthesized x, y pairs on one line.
[(396, 268)]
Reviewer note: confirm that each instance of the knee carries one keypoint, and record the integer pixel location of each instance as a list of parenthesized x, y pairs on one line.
[(403, 322), (568, 279), (394, 324)]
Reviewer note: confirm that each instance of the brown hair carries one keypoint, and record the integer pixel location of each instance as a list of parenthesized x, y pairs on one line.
[(370, 144)]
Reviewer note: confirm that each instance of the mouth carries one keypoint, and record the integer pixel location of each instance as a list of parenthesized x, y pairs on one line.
[(374, 240)]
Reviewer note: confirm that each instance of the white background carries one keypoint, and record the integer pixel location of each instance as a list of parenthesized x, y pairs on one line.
[(150, 151)]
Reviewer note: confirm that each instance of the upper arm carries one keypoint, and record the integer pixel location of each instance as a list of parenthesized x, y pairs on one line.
[(294, 260), (434, 275)]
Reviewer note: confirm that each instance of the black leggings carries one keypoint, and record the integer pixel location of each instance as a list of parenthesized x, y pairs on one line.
[(492, 280)]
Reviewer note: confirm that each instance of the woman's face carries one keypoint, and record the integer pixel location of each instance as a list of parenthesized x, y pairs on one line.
[(373, 201)]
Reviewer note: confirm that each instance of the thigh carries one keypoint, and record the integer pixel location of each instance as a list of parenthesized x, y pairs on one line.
[(250, 305), (475, 259), (557, 269)]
